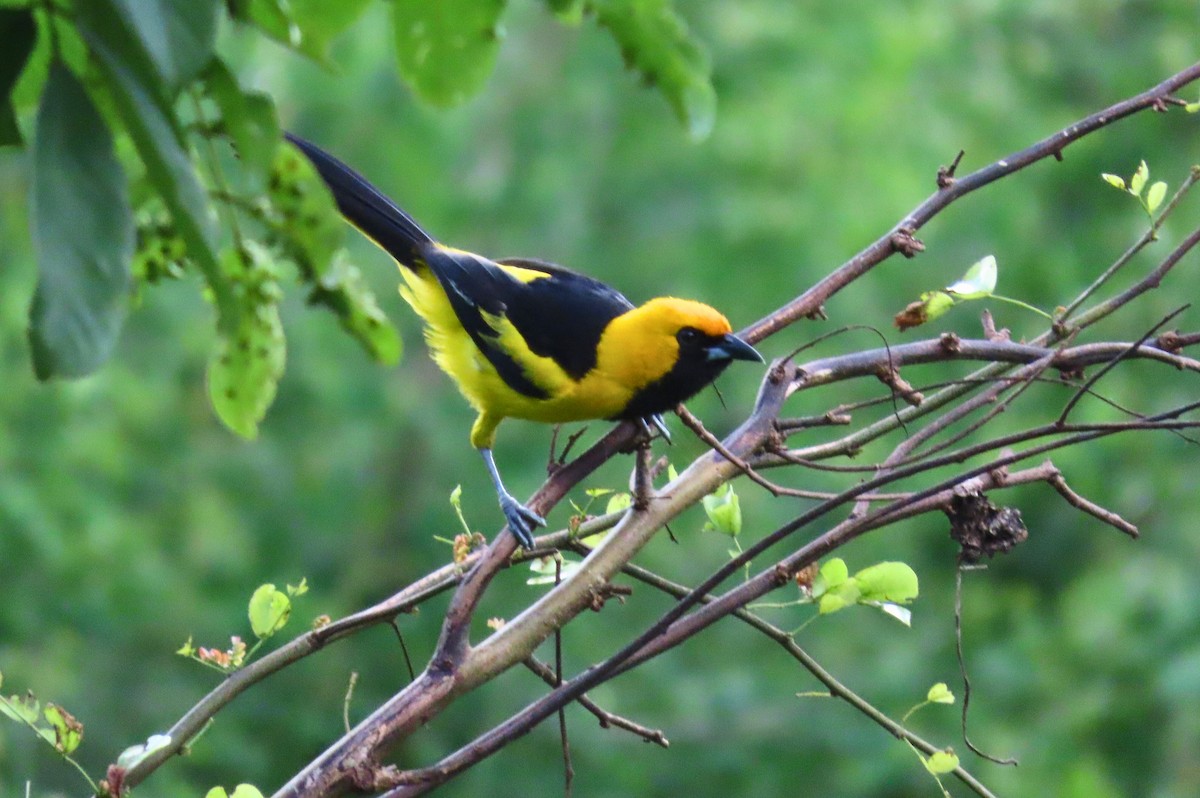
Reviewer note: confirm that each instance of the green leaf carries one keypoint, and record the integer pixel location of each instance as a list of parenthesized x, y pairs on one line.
[(724, 511), (343, 290), (83, 233), (21, 708), (19, 34), (833, 573), (1113, 180), (246, 791), (1138, 181), (272, 17), (304, 213), (936, 304), (978, 282), (321, 21), (245, 370), (939, 694), (269, 610), (216, 792), (618, 503), (139, 97), (68, 732), (549, 572), (248, 119), (941, 762), (569, 12), (131, 755), (839, 597), (1155, 195), (179, 37), (656, 43), (446, 49), (887, 581)]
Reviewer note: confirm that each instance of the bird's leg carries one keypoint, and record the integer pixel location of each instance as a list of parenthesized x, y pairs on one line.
[(656, 421), (521, 520)]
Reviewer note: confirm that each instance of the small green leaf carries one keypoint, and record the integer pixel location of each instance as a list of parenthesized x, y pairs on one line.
[(295, 591), (978, 282), (216, 792), (21, 708), (1155, 195), (888, 581), (134, 753), (656, 43), (833, 573), (68, 732), (596, 493), (187, 649), (1114, 180), (269, 610), (342, 289), (83, 232), (456, 497), (845, 594), (446, 49), (941, 762), (724, 511), (1138, 181), (246, 367), (320, 22), (618, 503), (246, 791), (939, 694), (549, 572), (1192, 108), (19, 34), (248, 119), (901, 614), (272, 17), (569, 12)]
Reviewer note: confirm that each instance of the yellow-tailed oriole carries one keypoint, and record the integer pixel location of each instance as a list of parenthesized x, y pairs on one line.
[(528, 339)]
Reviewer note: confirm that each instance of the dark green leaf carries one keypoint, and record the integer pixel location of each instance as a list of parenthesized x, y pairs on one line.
[(656, 42), (446, 49), (83, 232), (140, 100), (568, 11), (179, 37), (248, 118), (18, 34), (320, 22)]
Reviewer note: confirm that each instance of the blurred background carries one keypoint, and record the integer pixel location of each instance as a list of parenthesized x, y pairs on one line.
[(131, 519)]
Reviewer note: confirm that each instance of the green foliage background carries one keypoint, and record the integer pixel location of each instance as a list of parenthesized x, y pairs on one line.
[(130, 518)]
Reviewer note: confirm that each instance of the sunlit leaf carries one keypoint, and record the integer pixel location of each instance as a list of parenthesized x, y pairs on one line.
[(1155, 195), (888, 581), (1114, 180), (83, 233), (833, 572), (724, 511), (269, 610), (940, 694), (68, 732), (940, 762), (618, 502), (245, 791), (978, 282), (1138, 181)]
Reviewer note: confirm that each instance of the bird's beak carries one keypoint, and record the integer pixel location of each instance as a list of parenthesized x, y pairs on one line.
[(730, 347)]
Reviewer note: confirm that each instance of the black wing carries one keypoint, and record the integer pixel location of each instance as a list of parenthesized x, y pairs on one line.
[(560, 316)]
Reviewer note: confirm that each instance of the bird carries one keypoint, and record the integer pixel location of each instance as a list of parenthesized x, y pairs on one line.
[(528, 339)]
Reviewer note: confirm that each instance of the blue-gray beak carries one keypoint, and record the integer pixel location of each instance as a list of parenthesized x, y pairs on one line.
[(730, 347)]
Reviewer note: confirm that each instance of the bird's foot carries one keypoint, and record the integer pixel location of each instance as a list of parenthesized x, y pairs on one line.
[(656, 421), (521, 520)]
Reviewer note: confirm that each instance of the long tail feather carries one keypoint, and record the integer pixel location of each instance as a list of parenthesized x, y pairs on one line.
[(365, 206)]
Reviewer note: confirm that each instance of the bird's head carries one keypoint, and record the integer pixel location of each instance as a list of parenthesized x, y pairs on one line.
[(668, 349)]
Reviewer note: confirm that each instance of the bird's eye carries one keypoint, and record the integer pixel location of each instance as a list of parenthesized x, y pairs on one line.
[(688, 336)]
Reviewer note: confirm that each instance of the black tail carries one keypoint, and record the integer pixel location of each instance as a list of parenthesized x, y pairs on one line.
[(365, 206)]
